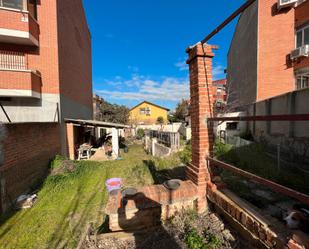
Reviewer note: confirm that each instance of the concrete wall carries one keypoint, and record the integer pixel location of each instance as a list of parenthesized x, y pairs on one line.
[(283, 132), (34, 110), (242, 60), (185, 131), (28, 149), (160, 150)]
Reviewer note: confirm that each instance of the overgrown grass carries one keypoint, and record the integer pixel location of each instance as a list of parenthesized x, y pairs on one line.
[(69, 201), (254, 159)]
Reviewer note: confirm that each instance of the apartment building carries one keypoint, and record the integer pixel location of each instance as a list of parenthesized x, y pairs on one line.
[(220, 90), (269, 52), (45, 61)]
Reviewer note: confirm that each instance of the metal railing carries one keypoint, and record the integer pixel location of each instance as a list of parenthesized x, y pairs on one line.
[(13, 60)]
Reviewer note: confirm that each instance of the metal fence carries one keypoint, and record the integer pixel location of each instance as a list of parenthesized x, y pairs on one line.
[(169, 139)]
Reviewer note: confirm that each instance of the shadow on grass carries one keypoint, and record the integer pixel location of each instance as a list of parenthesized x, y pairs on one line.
[(160, 176)]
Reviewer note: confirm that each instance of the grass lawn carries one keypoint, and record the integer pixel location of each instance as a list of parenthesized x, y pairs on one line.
[(68, 202)]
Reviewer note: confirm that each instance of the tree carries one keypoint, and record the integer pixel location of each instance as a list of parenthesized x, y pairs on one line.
[(160, 120), (113, 113), (181, 111)]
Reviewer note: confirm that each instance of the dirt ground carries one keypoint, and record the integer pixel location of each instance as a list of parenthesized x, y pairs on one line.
[(172, 235)]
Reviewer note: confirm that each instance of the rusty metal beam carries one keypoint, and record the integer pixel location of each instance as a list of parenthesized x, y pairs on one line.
[(294, 117), (303, 198), (228, 20)]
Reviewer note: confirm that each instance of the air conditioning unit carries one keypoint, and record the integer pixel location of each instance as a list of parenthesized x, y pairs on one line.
[(286, 3), (300, 52)]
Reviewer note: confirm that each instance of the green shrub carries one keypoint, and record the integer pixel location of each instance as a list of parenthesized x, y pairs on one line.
[(186, 154), (140, 133), (194, 240), (160, 120), (213, 241)]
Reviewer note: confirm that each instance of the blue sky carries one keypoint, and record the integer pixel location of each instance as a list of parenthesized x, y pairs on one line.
[(139, 46)]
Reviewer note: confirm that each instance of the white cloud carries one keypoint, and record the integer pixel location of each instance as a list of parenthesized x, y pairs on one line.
[(218, 72), (181, 65), (142, 88)]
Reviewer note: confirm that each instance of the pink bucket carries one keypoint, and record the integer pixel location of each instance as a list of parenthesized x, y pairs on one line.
[(113, 184)]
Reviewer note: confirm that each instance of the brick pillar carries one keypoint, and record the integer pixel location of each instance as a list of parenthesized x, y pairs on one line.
[(200, 64)]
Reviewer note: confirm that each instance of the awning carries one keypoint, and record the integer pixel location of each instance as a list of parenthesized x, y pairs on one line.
[(96, 123)]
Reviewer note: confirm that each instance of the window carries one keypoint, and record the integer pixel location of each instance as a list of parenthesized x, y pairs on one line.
[(13, 4), (302, 81), (148, 112), (145, 111), (232, 126), (142, 111), (302, 37)]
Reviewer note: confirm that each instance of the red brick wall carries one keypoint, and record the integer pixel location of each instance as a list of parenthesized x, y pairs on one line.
[(45, 57), (275, 42), (75, 60), (13, 20), (10, 19), (64, 54), (301, 14), (20, 80), (28, 149)]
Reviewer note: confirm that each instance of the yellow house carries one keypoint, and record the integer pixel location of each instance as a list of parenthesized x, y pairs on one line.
[(147, 113)]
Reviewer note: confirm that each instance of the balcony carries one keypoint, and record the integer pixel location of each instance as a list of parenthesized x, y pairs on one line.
[(16, 80), (18, 27)]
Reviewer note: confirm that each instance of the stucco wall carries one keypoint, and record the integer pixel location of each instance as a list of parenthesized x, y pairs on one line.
[(136, 117)]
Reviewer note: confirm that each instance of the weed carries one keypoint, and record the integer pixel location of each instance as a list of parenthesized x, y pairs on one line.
[(194, 240)]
